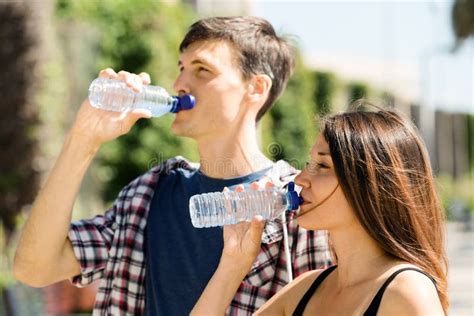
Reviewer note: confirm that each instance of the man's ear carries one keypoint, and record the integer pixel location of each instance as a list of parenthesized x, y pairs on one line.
[(259, 88)]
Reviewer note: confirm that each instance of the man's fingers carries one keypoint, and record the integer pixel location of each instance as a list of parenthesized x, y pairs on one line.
[(240, 188), (132, 80), (142, 113), (108, 73), (145, 78)]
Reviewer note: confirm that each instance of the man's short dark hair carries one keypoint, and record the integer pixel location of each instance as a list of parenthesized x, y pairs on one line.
[(259, 49)]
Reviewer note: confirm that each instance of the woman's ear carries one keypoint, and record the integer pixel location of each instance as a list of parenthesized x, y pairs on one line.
[(259, 88)]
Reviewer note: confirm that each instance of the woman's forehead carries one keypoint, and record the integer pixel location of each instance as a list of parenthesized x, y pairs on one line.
[(320, 146)]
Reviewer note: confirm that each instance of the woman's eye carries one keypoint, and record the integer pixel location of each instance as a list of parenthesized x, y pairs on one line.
[(315, 166)]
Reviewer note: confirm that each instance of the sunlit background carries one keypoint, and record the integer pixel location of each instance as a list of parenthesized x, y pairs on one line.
[(416, 56)]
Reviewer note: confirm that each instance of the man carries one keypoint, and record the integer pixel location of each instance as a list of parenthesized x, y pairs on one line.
[(236, 68)]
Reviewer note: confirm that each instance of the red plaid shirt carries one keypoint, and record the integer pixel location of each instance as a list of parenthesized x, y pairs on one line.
[(111, 247)]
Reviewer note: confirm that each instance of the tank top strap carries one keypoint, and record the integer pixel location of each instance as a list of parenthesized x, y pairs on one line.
[(309, 293), (374, 305)]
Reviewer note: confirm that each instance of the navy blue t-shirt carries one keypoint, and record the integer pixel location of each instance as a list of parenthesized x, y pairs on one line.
[(181, 259)]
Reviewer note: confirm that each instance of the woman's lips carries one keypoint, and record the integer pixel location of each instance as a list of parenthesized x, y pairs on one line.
[(305, 200)]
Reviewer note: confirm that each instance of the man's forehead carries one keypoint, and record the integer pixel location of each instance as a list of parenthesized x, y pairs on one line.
[(212, 52)]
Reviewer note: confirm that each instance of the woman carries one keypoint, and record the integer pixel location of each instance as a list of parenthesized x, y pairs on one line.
[(370, 184)]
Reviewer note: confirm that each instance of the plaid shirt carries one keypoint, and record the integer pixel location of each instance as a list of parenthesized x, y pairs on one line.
[(111, 247)]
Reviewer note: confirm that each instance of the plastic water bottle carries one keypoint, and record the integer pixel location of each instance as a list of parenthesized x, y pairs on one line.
[(224, 208), (115, 95)]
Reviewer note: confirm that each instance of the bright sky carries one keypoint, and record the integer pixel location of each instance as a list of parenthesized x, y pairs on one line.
[(403, 46)]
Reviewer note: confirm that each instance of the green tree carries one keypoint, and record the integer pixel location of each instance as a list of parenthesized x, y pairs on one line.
[(357, 90), (18, 53), (325, 83), (290, 127), (136, 36)]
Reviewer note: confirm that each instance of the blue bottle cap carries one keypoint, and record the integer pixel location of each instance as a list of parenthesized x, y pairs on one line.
[(294, 198), (186, 102)]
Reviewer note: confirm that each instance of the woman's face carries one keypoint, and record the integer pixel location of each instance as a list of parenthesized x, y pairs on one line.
[(325, 205)]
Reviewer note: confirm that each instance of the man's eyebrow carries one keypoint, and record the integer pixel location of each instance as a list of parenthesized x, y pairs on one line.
[(196, 61), (201, 61)]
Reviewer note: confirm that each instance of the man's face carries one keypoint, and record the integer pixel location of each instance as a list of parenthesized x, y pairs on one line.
[(209, 71)]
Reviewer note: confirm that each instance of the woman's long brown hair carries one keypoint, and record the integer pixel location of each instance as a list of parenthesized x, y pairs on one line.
[(384, 171)]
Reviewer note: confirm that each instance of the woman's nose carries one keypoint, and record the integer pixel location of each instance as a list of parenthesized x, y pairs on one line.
[(301, 180)]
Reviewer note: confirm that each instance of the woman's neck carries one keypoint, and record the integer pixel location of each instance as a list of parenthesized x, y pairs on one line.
[(359, 257)]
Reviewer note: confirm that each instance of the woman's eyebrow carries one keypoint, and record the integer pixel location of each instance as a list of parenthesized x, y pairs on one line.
[(323, 153)]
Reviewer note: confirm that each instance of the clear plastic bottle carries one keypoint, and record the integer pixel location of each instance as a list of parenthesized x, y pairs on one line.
[(115, 95), (224, 208)]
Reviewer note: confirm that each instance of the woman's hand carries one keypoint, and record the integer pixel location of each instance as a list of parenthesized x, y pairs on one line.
[(241, 246), (99, 126), (242, 240)]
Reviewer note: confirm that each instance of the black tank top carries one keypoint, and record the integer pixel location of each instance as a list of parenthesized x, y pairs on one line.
[(374, 305)]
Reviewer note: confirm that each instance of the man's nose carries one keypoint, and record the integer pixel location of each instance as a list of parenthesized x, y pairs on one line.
[(181, 84)]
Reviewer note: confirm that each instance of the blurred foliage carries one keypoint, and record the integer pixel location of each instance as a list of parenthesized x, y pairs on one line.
[(462, 15), (325, 83), (456, 196), (357, 90), (139, 36), (18, 122), (388, 99), (291, 126), (470, 142)]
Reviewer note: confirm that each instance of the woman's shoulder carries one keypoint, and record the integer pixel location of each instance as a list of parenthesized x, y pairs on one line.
[(411, 292), (303, 282)]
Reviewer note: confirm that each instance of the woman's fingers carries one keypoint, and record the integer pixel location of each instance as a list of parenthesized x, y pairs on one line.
[(262, 184), (256, 229), (268, 185)]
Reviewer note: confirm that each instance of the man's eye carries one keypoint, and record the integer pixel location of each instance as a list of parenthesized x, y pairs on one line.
[(200, 69)]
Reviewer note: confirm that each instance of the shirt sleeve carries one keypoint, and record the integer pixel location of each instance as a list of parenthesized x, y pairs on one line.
[(91, 240)]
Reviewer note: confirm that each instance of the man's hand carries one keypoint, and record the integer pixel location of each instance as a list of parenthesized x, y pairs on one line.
[(99, 126)]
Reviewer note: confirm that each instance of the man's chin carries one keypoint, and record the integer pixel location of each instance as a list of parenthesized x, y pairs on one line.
[(181, 129)]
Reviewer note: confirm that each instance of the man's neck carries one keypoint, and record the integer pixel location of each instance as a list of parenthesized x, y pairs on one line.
[(232, 154)]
